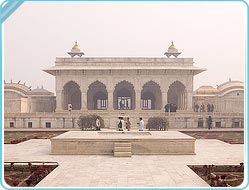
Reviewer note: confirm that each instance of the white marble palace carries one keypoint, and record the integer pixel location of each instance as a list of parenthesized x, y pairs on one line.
[(128, 86)]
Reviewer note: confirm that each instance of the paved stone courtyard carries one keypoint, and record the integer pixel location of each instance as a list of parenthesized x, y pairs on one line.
[(136, 171)]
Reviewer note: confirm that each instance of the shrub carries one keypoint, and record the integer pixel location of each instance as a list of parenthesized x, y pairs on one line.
[(157, 124), (88, 122)]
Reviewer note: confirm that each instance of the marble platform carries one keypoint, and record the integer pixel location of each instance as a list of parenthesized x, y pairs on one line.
[(102, 142)]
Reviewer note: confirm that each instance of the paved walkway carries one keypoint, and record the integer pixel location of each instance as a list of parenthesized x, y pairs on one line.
[(135, 171), (77, 129)]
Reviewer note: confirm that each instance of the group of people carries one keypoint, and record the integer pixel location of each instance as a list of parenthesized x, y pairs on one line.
[(122, 125), (124, 105), (201, 108), (170, 107)]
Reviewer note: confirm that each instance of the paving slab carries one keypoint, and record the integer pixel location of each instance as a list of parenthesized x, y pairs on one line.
[(135, 171)]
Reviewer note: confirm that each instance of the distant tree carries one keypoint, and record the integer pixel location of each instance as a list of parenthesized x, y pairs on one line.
[(157, 124), (88, 122)]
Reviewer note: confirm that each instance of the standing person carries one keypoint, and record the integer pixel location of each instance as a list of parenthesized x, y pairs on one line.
[(128, 124), (97, 124), (119, 124), (208, 108), (212, 108), (120, 105), (127, 104), (123, 124), (141, 124), (69, 107), (209, 122), (196, 107)]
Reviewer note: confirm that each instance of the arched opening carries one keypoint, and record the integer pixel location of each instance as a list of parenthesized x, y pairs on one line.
[(176, 96), (124, 96), (97, 97), (72, 95), (151, 96)]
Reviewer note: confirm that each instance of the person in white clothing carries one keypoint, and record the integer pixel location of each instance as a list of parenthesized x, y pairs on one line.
[(123, 123), (69, 107), (141, 124), (119, 124), (97, 124)]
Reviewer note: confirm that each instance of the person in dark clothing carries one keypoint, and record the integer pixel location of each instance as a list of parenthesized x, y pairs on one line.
[(208, 108), (209, 122), (212, 107), (120, 105), (167, 108), (196, 107)]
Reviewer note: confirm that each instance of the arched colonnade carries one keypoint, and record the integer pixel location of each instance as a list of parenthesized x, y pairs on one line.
[(124, 96)]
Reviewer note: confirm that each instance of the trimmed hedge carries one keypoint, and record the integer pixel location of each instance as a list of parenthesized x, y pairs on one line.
[(88, 122), (157, 124)]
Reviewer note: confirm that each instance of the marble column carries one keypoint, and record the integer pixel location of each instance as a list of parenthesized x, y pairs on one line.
[(179, 102), (189, 103), (164, 100), (59, 100), (138, 100), (184, 100), (110, 100), (83, 100)]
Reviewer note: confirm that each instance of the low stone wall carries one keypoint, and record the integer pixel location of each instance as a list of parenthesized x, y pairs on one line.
[(81, 142), (69, 120)]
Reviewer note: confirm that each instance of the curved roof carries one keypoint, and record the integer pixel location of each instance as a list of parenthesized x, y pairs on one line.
[(25, 90), (231, 84), (207, 90), (41, 92), (17, 87)]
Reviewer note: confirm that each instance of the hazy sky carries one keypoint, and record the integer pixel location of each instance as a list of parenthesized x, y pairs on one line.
[(213, 33)]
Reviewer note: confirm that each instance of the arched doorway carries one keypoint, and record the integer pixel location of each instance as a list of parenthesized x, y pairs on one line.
[(124, 96), (72, 95), (151, 96), (97, 97), (176, 95)]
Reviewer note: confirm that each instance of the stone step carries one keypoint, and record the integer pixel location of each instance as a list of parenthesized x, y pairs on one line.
[(122, 149), (122, 154), (122, 144)]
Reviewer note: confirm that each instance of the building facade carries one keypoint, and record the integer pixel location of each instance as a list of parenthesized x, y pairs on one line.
[(128, 86), (19, 98)]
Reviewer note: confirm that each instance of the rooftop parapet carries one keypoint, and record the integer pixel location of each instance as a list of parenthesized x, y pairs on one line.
[(136, 61)]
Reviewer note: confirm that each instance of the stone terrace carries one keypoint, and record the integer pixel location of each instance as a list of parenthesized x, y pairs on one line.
[(136, 171)]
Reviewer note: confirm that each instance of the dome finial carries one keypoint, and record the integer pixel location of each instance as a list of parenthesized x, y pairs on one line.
[(75, 50), (172, 51)]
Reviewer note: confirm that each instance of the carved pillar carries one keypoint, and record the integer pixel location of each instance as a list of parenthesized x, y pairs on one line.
[(179, 102), (110, 100), (189, 101), (59, 100), (186, 100), (138, 100), (164, 99), (83, 100), (183, 101)]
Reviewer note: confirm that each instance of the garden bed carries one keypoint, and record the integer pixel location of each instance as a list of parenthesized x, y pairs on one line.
[(220, 175), (232, 137), (15, 137), (26, 174)]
